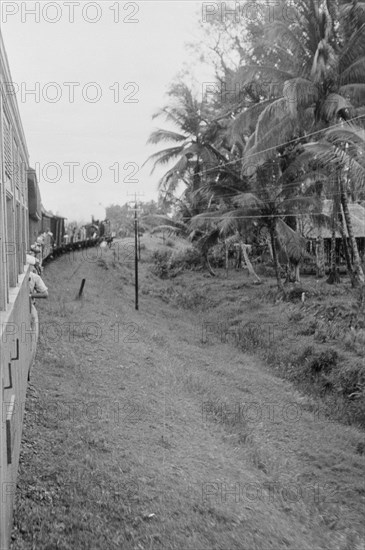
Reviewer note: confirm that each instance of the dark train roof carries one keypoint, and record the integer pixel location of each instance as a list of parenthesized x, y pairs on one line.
[(49, 214)]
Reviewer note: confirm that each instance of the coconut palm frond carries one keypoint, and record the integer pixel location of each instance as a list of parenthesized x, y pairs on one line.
[(301, 203), (280, 33), (332, 105), (336, 158), (277, 48), (247, 200), (302, 164), (250, 142), (322, 151), (207, 240), (169, 229), (354, 49), (205, 220), (262, 75), (346, 133), (264, 150), (292, 242), (230, 221), (170, 115), (174, 174), (354, 13), (160, 135), (299, 93), (309, 181), (271, 115), (163, 157), (354, 73), (355, 93), (245, 122)]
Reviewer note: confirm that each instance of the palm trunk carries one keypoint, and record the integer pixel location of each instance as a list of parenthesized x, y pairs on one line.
[(358, 278), (207, 265), (346, 248), (249, 264), (270, 249), (320, 256), (333, 277), (275, 258)]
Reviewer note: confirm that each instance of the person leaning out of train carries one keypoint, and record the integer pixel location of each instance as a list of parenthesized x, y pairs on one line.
[(36, 262), (37, 288)]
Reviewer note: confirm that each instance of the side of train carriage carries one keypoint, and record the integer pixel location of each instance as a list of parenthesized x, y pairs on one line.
[(23, 221), (18, 345)]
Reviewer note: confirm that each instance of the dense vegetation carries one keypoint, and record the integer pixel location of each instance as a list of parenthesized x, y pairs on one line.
[(254, 162)]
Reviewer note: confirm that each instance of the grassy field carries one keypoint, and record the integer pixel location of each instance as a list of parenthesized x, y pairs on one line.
[(214, 418)]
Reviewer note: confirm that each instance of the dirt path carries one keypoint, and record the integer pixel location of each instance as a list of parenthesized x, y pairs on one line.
[(143, 431)]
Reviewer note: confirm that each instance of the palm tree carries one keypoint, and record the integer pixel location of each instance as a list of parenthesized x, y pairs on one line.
[(321, 83), (198, 145), (267, 198)]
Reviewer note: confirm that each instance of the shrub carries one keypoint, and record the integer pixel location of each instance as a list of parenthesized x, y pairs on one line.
[(187, 258), (217, 255), (351, 380), (295, 294), (160, 260), (168, 264), (315, 367), (324, 362)]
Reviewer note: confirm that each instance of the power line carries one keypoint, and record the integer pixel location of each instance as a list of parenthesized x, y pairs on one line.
[(253, 216), (276, 146)]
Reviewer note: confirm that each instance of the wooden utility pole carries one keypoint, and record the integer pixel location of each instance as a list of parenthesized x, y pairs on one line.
[(136, 249)]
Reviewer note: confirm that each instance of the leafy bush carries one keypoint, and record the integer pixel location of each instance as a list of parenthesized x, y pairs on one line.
[(324, 362), (187, 258), (160, 260), (217, 255), (295, 294), (351, 380), (168, 264)]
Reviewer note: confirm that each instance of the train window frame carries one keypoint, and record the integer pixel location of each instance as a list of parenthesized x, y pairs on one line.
[(10, 244), (7, 146)]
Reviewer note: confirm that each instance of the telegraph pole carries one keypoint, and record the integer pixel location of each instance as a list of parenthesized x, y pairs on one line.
[(136, 247)]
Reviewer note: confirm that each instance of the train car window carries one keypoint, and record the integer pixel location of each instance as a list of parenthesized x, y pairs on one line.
[(8, 157), (18, 237), (16, 167), (25, 237), (10, 245)]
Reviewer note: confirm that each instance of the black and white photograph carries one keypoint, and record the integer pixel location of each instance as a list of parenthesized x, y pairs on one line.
[(182, 288)]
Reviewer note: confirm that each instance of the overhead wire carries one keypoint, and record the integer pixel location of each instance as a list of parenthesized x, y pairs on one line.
[(279, 145)]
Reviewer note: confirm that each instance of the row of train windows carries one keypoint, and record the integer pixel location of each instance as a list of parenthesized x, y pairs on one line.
[(13, 211), (15, 168), (14, 250)]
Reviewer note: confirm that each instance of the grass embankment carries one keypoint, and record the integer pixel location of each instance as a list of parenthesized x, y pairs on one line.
[(143, 431), (318, 343)]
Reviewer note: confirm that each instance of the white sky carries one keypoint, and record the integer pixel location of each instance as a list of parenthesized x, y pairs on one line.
[(148, 53)]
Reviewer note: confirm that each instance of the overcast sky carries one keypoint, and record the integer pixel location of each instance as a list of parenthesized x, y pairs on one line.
[(102, 127)]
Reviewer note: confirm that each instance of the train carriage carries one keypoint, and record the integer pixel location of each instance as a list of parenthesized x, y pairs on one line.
[(23, 221), (18, 343)]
